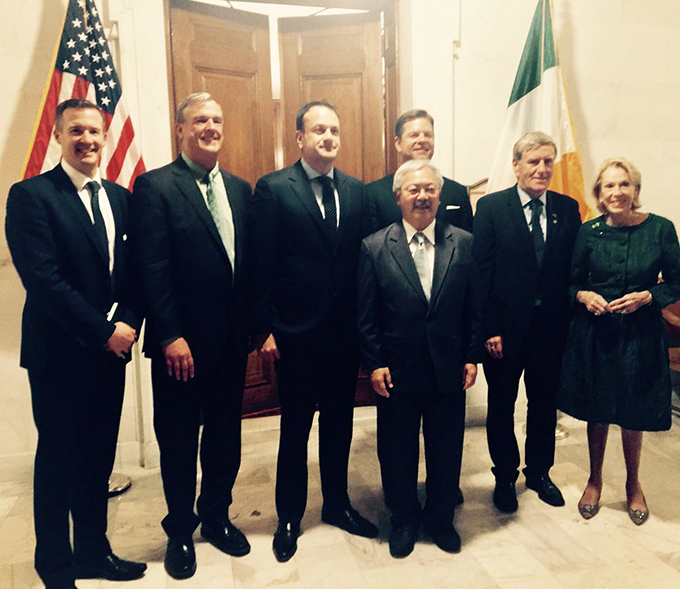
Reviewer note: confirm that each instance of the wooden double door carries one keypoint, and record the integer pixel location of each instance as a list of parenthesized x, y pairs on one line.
[(349, 60)]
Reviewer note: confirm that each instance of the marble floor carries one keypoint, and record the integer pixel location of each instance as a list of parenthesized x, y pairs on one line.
[(539, 546)]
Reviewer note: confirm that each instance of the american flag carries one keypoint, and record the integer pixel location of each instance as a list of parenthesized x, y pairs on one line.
[(84, 69)]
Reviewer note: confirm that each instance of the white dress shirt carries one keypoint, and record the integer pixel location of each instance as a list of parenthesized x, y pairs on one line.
[(80, 181), (428, 232), (317, 189), (525, 199)]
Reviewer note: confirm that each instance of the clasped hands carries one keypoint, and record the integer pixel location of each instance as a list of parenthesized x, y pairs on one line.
[(629, 303)]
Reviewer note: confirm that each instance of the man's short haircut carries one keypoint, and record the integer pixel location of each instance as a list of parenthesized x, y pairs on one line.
[(77, 103), (531, 140), (411, 115), (191, 100), (300, 118), (414, 166), (633, 174)]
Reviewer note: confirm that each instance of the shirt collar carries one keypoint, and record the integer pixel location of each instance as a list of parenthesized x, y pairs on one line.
[(524, 197), (428, 232), (312, 173), (199, 172), (78, 178)]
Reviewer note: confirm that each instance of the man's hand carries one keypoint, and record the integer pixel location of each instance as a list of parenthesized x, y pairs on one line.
[(269, 350), (178, 359), (494, 346), (631, 302), (121, 340), (469, 375), (381, 380), (595, 303)]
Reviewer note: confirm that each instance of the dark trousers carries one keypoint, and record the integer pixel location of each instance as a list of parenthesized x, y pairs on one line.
[(443, 420), (213, 397), (77, 413), (314, 370), (540, 358)]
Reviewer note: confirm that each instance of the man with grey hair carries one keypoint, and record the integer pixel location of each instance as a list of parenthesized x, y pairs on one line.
[(524, 238), (189, 221), (418, 326)]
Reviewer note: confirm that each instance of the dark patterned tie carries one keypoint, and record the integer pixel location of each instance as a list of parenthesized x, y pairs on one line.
[(330, 212), (536, 231), (99, 226)]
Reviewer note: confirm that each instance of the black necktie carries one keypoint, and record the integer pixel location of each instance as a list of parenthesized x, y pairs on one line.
[(99, 226), (329, 210), (536, 231)]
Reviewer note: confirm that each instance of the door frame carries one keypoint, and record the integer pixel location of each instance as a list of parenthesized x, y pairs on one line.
[(392, 101)]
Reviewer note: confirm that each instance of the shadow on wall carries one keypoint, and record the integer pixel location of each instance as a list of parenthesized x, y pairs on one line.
[(19, 124)]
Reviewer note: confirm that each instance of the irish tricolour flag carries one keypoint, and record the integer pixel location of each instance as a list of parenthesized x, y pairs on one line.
[(538, 103)]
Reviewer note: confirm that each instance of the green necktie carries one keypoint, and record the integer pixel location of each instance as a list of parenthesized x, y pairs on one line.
[(224, 227)]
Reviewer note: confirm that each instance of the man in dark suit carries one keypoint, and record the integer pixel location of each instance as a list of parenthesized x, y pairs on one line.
[(189, 240), (419, 326), (414, 140), (67, 231), (306, 227), (524, 238)]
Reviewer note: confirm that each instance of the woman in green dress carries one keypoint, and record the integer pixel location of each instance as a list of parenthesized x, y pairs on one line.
[(615, 368)]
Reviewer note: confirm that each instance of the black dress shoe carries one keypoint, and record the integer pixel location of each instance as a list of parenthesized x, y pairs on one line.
[(350, 520), (402, 540), (109, 567), (180, 557), (505, 496), (61, 586), (546, 489), (445, 537), (226, 537), (458, 498), (285, 540)]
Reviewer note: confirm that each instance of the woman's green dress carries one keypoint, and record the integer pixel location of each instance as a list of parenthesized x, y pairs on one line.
[(615, 367)]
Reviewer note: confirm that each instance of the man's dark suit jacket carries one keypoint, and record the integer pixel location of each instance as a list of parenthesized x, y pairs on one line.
[(511, 280), (454, 207), (397, 326), (184, 270), (65, 271), (300, 277)]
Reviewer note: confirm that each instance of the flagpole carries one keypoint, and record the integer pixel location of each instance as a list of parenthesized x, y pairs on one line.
[(46, 91)]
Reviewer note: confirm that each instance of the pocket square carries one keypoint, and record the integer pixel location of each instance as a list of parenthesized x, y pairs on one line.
[(452, 207)]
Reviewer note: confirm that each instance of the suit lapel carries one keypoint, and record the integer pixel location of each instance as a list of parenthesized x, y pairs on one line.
[(69, 195), (552, 225), (347, 204), (396, 243), (118, 221), (302, 187), (187, 186), (443, 251)]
